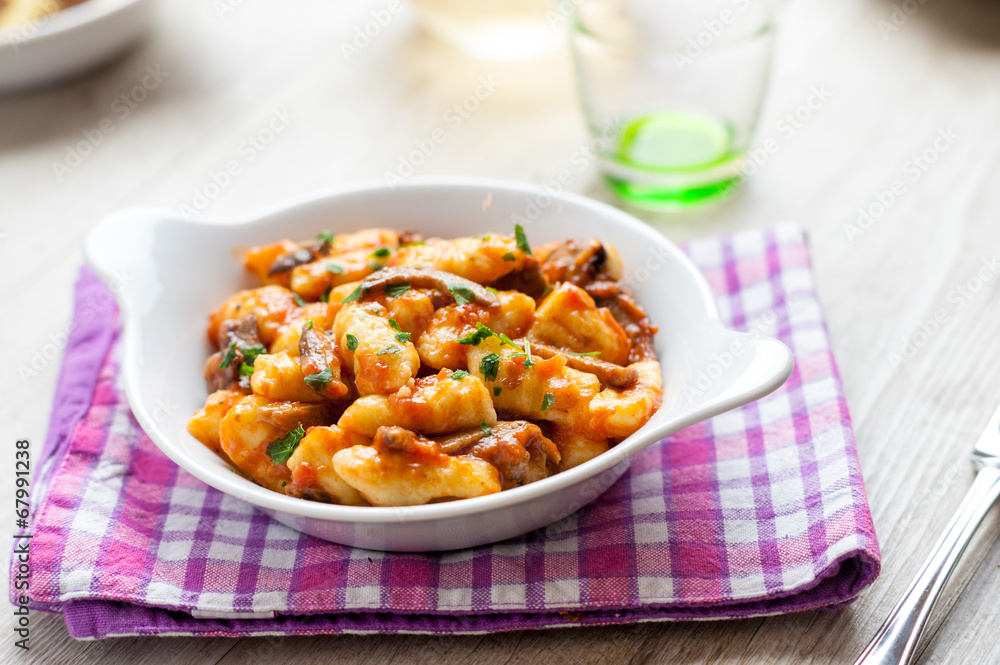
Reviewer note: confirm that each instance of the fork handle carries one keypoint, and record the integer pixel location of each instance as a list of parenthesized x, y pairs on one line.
[(895, 641)]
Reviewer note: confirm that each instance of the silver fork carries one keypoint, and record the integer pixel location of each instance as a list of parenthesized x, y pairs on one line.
[(897, 638)]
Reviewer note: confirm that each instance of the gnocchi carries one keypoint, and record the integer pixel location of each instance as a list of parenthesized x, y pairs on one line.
[(376, 368)]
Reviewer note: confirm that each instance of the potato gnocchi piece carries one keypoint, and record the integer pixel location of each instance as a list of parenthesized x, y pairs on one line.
[(402, 469), (311, 466), (545, 390), (382, 362), (438, 345), (204, 424), (259, 260), (616, 413), (515, 316), (290, 334), (576, 447), (482, 259), (272, 306), (245, 437), (438, 404), (568, 318), (278, 376), (313, 279)]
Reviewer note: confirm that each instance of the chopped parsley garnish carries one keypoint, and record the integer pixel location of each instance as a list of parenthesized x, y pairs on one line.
[(589, 354), (246, 370), (319, 380), (392, 348), (548, 401), (496, 391), (325, 236), (396, 290), (326, 294), (250, 353), (375, 266), (355, 294), (528, 362), (394, 325), (333, 267), (298, 300), (463, 294), (352, 342), (548, 289), (281, 449), (474, 338), (403, 337), (309, 325), (486, 429), (509, 257), (489, 366), (228, 358), (381, 253), (522, 239), (459, 374)]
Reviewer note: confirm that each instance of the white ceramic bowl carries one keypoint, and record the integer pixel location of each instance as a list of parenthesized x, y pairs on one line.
[(70, 42), (168, 274)]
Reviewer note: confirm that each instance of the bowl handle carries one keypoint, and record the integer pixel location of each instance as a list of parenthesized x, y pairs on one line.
[(768, 364)]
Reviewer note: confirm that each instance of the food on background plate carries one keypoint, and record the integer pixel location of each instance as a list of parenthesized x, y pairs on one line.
[(15, 12), (377, 368)]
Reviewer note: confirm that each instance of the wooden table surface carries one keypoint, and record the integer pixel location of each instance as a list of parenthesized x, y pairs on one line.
[(883, 85)]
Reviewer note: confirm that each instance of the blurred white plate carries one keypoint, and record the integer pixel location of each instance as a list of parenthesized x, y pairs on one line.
[(69, 42)]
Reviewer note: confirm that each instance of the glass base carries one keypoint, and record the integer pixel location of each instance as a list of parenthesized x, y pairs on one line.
[(660, 199), (673, 160)]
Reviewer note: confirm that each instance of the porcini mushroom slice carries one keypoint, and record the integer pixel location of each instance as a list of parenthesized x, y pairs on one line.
[(608, 373), (427, 278)]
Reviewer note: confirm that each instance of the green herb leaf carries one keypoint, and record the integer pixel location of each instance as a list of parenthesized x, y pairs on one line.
[(381, 253), (508, 341), (228, 358), (319, 380), (509, 257), (394, 325), (396, 290), (333, 267), (528, 361), (489, 366), (325, 236), (326, 294), (298, 300), (548, 401), (522, 239), (250, 353), (403, 337), (309, 325), (463, 294), (486, 429), (459, 374), (474, 338), (548, 289), (392, 348), (281, 449), (352, 342), (497, 390), (355, 294), (246, 370), (589, 354)]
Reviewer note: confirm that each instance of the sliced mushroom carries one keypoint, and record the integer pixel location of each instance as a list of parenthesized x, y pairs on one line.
[(289, 415), (242, 332), (427, 278), (519, 451), (456, 443), (530, 280), (630, 315), (608, 373), (316, 355), (297, 257), (581, 262)]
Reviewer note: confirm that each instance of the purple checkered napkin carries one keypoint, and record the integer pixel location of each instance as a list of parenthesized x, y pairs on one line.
[(757, 511)]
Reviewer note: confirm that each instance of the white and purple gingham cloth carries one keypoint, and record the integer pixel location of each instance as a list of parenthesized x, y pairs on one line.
[(761, 510)]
